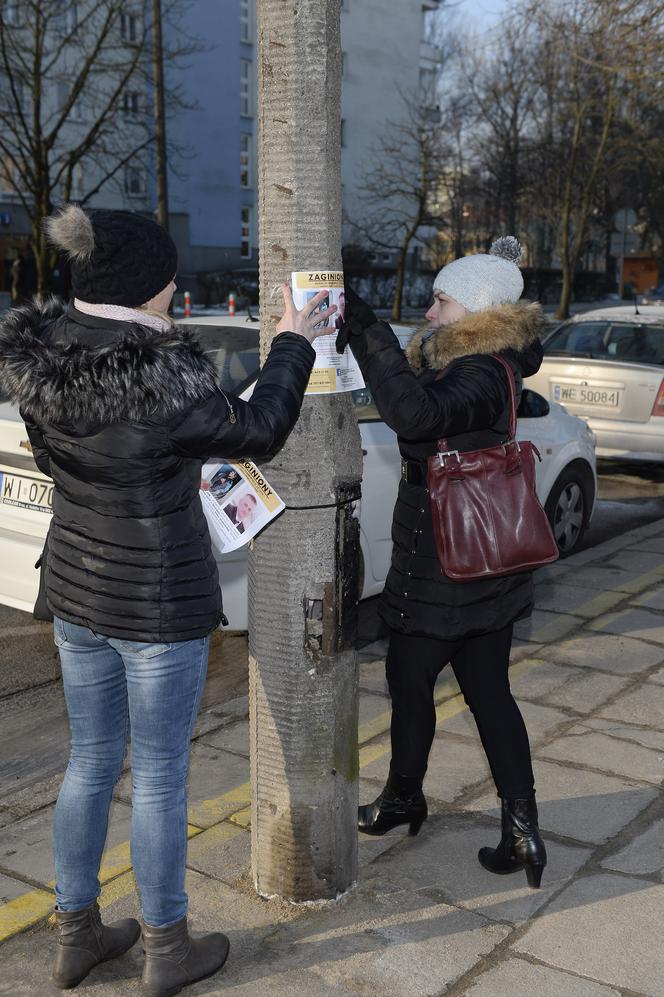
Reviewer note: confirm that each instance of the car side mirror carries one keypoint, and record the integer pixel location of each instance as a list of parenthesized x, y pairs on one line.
[(532, 405)]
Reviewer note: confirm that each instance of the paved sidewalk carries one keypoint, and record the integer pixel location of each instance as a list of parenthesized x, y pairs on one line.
[(425, 918)]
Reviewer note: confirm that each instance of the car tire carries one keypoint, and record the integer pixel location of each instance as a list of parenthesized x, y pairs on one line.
[(568, 507)]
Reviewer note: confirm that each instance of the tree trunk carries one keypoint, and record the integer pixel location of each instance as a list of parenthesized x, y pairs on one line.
[(159, 115), (303, 570)]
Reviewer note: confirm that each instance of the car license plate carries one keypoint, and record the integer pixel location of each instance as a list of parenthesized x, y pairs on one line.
[(585, 395), (26, 493)]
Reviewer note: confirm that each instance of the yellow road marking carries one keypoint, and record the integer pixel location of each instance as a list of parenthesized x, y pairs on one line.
[(22, 912)]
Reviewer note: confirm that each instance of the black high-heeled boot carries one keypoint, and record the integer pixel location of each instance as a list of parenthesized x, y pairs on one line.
[(401, 802), (521, 845)]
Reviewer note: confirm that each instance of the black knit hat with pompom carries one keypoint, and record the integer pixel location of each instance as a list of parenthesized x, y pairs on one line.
[(117, 257)]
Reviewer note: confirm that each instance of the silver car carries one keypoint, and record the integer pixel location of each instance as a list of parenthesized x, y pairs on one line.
[(607, 366)]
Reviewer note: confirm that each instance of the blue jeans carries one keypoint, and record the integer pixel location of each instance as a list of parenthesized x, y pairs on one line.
[(113, 686)]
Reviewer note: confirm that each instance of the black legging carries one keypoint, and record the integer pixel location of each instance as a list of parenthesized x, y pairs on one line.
[(480, 665)]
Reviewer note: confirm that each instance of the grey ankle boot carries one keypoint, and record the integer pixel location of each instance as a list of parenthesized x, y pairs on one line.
[(84, 942), (173, 959)]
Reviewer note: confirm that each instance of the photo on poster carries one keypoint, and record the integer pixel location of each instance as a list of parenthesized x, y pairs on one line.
[(244, 511), (225, 478)]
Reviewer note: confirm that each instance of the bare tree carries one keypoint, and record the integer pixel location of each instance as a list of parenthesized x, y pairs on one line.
[(400, 193), (303, 570), (587, 75), (76, 115)]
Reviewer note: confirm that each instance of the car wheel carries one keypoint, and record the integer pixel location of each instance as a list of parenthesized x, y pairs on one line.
[(568, 509)]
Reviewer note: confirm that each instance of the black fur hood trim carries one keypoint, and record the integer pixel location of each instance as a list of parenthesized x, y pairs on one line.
[(142, 374)]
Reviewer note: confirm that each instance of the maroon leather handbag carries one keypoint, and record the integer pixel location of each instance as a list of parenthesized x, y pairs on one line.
[(487, 519)]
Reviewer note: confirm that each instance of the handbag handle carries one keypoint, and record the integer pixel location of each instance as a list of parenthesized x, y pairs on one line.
[(443, 446), (512, 385)]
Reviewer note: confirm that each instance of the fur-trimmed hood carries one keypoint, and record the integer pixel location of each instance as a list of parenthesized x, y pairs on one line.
[(506, 328), (135, 374)]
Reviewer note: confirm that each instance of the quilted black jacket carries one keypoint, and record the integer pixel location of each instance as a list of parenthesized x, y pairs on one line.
[(122, 417)]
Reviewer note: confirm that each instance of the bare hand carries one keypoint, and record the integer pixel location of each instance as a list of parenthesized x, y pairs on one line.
[(304, 322)]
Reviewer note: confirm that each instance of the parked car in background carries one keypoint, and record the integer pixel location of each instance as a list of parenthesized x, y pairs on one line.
[(607, 366), (566, 480)]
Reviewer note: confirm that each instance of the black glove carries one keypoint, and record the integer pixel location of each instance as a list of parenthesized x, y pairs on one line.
[(358, 316)]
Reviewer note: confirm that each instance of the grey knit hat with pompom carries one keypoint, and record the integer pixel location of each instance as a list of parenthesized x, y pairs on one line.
[(117, 257), (486, 279)]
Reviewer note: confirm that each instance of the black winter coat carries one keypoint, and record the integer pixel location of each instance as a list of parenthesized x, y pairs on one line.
[(122, 417), (469, 406)]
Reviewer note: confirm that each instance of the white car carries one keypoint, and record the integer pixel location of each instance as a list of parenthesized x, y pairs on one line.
[(607, 366), (566, 478)]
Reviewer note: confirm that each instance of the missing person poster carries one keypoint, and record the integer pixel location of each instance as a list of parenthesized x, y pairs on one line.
[(237, 501), (332, 372)]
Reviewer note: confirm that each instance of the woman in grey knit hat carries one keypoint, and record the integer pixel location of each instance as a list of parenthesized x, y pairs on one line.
[(448, 386)]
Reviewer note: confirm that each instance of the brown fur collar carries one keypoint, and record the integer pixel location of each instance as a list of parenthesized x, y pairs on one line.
[(507, 327)]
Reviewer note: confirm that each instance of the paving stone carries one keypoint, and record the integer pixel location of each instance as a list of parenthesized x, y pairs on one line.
[(523, 649), (619, 654), (414, 951), (540, 720), (453, 767), (372, 677), (644, 705), (26, 847), (223, 852), (634, 623), (655, 544), (540, 680), (658, 677), (231, 737), (519, 978), (568, 598), (653, 739), (543, 627), (585, 746), (441, 862), (602, 927), (614, 579), (372, 708), (585, 806), (586, 691), (653, 599), (218, 785), (644, 855), (641, 561), (11, 888)]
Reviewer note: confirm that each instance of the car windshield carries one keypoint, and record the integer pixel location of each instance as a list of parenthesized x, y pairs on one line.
[(638, 342), (234, 351)]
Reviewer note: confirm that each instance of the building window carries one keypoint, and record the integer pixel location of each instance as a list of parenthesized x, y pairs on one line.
[(66, 17), (245, 232), (245, 88), (11, 13), (245, 160), (129, 27), (343, 133), (245, 21), (135, 185), (131, 102)]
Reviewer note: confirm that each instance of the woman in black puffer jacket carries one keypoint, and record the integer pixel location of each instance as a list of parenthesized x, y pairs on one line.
[(122, 409), (432, 619)]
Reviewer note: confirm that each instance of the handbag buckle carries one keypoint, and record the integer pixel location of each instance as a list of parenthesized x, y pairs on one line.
[(448, 453)]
